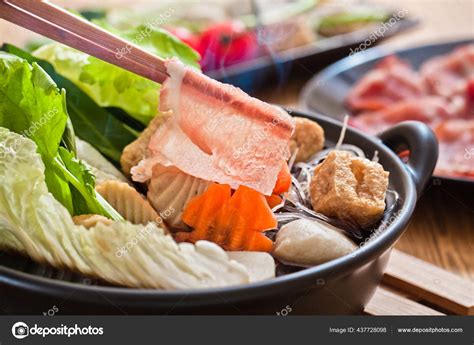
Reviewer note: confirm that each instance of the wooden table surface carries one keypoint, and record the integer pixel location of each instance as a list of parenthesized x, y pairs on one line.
[(442, 228)]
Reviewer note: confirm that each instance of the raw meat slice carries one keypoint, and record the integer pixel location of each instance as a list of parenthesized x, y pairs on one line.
[(447, 75), (446, 103), (392, 80), (456, 148), (469, 99), (429, 110), (134, 152), (217, 133)]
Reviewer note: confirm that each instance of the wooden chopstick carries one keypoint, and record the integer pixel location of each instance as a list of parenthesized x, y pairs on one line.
[(60, 25)]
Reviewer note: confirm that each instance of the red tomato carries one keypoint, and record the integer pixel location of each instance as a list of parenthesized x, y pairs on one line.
[(185, 35), (225, 44)]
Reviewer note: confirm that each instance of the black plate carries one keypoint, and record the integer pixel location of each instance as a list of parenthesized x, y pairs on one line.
[(256, 73), (341, 286), (325, 93)]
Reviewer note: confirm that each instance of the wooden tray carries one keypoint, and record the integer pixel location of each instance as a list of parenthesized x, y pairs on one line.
[(412, 286)]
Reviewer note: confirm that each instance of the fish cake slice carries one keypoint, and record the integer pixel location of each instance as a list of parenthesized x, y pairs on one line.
[(128, 202)]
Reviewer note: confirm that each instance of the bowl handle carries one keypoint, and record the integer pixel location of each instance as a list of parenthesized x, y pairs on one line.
[(420, 140)]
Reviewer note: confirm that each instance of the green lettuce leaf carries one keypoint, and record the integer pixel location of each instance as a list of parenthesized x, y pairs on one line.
[(112, 86), (86, 199), (33, 222), (32, 105), (94, 124), (106, 84), (156, 40)]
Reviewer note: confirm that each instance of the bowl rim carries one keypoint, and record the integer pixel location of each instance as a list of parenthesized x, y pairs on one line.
[(235, 293)]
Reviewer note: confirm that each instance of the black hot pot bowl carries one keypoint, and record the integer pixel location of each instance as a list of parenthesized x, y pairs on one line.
[(341, 286)]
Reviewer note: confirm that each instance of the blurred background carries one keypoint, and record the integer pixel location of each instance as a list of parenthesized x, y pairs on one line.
[(252, 43)]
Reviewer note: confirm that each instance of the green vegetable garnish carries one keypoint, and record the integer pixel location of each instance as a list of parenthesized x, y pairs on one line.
[(91, 122), (32, 105), (347, 19), (112, 86), (157, 41)]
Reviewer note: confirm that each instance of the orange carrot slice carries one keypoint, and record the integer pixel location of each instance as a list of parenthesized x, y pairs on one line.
[(258, 242), (273, 200), (283, 182), (234, 222), (248, 210), (201, 210), (254, 208)]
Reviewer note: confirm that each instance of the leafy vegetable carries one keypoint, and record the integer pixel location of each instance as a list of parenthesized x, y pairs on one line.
[(101, 167), (32, 105), (341, 19), (91, 14), (92, 123), (157, 41), (80, 176), (69, 136), (286, 10), (106, 84), (112, 86), (35, 223)]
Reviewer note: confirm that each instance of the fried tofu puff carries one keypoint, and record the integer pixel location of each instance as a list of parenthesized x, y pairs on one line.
[(349, 188), (308, 138)]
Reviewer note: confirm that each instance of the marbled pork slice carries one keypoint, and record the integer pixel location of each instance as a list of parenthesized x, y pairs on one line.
[(217, 133)]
